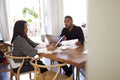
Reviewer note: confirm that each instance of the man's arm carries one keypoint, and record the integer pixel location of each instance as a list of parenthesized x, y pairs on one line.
[(62, 32), (80, 35)]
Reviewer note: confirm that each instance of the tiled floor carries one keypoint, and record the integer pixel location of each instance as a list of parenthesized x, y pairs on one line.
[(6, 75)]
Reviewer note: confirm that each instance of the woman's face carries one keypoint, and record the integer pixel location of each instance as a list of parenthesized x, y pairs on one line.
[(25, 28)]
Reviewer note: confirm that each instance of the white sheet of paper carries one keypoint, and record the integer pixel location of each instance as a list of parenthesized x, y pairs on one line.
[(69, 42), (44, 50), (73, 46), (57, 50), (86, 51), (69, 46), (41, 45)]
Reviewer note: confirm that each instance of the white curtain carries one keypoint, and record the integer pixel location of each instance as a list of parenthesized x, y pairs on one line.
[(4, 29), (54, 11), (57, 16)]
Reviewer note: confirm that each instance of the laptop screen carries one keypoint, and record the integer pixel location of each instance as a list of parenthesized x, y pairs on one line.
[(52, 38)]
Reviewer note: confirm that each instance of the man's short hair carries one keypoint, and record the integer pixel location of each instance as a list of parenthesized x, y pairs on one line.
[(69, 17)]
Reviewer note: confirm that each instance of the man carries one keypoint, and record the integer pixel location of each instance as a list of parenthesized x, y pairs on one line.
[(70, 31)]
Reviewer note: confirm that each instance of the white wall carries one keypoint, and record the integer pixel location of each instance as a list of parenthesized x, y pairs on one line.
[(104, 40), (56, 16)]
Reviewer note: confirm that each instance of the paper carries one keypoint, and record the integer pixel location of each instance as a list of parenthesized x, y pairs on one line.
[(86, 51), (44, 50), (57, 50), (69, 47), (41, 45), (69, 42), (73, 46), (64, 47)]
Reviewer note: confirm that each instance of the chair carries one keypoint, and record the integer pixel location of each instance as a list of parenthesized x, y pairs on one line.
[(50, 74), (17, 74), (3, 60)]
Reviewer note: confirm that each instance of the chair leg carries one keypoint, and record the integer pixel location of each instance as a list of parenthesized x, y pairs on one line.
[(77, 73), (18, 78), (11, 76), (30, 76), (83, 73), (51, 62)]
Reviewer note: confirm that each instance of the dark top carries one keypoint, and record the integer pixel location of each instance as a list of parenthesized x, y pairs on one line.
[(75, 33)]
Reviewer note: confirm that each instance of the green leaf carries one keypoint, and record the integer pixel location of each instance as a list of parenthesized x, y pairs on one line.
[(29, 20), (35, 15), (24, 11)]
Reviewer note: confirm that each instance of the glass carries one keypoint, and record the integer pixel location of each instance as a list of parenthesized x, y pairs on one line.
[(43, 38)]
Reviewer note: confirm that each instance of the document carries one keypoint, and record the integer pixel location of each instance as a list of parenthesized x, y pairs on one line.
[(86, 51), (44, 50), (41, 45), (69, 42)]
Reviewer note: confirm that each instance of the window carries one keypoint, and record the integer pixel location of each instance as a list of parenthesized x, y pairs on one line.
[(77, 9), (29, 10)]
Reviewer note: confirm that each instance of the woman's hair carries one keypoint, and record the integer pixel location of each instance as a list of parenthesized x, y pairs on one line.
[(19, 29)]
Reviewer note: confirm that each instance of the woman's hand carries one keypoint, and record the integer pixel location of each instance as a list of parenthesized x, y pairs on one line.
[(51, 47)]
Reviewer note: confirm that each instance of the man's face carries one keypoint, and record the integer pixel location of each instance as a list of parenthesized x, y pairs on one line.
[(68, 23)]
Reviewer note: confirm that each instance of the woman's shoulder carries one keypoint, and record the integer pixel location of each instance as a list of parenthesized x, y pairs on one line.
[(19, 38)]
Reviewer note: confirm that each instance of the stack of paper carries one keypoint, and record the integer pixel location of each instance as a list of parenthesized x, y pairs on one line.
[(86, 51), (69, 44), (44, 50), (41, 45)]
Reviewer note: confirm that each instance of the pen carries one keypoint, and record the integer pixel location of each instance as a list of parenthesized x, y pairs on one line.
[(59, 41)]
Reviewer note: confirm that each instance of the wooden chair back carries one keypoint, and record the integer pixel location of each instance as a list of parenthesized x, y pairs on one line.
[(50, 74), (11, 58)]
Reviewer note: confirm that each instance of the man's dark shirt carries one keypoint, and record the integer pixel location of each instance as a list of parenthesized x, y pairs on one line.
[(75, 33)]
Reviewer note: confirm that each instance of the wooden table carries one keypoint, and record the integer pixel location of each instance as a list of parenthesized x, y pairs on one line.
[(74, 57)]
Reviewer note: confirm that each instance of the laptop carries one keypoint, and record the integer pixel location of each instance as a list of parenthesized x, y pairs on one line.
[(52, 38)]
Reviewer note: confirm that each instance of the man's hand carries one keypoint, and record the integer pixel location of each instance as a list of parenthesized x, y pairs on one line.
[(64, 38), (78, 43)]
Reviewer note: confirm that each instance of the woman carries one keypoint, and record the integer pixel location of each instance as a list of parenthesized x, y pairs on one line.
[(23, 46)]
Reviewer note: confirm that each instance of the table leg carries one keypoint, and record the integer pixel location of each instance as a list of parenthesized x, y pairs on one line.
[(73, 72), (77, 73)]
